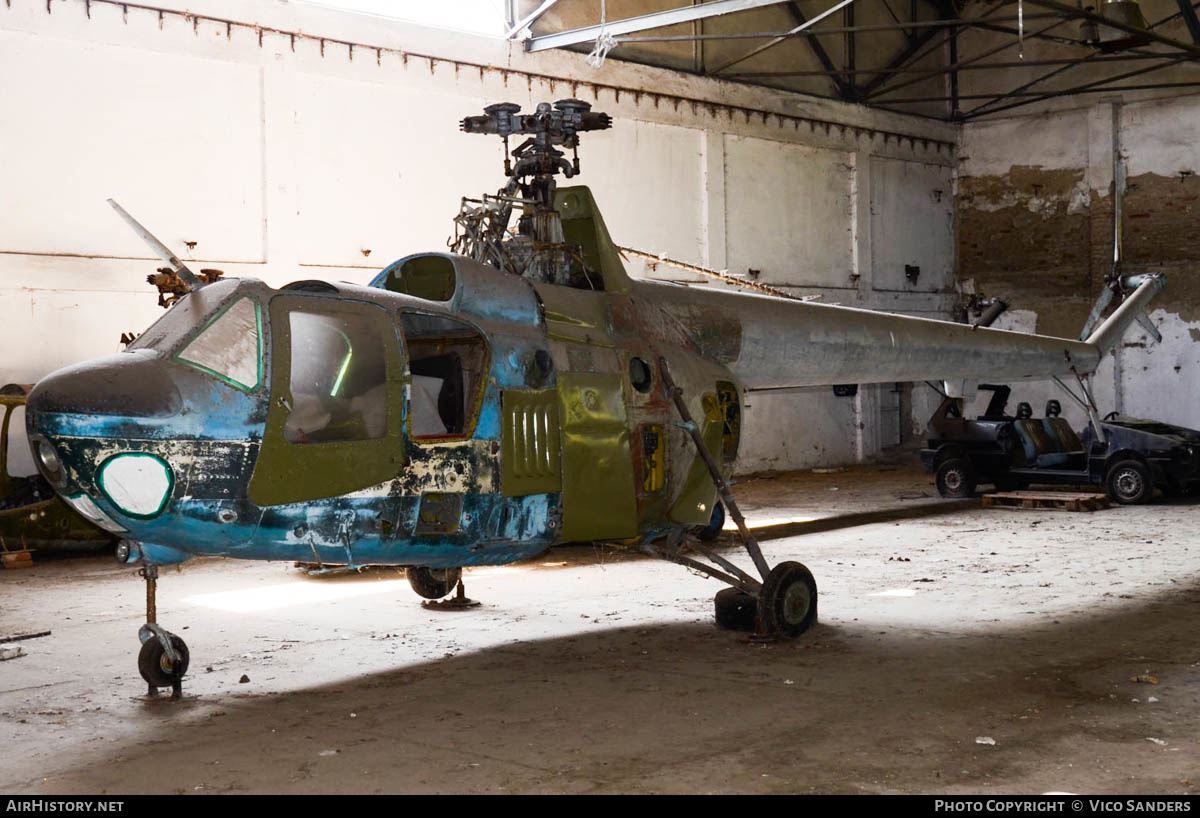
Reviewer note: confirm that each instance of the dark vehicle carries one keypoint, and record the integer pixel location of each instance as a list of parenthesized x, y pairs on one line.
[(1012, 452), (32, 516)]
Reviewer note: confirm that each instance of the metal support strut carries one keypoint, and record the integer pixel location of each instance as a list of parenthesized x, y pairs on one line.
[(165, 668), (722, 487), (784, 604)]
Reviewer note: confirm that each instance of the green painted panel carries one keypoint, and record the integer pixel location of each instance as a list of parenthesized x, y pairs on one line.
[(598, 483), (292, 472), (576, 315), (531, 442), (584, 227), (695, 502)]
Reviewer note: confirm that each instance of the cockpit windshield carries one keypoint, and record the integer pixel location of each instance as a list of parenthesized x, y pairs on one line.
[(215, 331), (230, 347), (190, 312)]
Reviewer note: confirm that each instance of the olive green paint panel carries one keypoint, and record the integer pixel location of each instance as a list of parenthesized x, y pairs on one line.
[(531, 442), (49, 525), (575, 315), (695, 503), (584, 227), (439, 513), (295, 472), (597, 483), (430, 277)]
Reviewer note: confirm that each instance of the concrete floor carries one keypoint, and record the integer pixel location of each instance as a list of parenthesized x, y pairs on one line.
[(590, 671)]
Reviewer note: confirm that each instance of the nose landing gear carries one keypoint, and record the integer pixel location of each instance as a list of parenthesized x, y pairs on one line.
[(163, 659)]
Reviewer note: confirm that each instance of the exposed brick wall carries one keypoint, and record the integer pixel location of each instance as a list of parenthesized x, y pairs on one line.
[(1042, 240)]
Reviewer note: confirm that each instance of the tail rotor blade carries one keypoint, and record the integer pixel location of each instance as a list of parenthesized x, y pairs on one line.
[(1102, 302)]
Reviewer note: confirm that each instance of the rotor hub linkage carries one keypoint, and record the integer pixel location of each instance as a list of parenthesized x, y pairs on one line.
[(538, 250), (546, 128)]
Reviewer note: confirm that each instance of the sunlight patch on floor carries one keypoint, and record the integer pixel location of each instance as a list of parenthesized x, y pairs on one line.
[(248, 600)]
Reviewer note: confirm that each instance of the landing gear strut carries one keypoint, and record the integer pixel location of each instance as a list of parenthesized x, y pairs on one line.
[(784, 603), (163, 659)]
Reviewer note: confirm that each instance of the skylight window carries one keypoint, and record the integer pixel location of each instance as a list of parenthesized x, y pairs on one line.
[(484, 17)]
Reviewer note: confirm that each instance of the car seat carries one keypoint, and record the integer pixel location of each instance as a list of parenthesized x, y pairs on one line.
[(1058, 428), (1040, 448)]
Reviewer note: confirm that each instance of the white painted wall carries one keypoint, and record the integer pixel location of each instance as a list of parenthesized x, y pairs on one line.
[(286, 158)]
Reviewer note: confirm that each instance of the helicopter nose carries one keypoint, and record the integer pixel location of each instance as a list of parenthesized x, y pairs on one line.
[(129, 384)]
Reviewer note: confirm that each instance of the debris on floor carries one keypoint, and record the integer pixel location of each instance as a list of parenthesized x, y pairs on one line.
[(11, 653), (985, 740), (1144, 679), (21, 637)]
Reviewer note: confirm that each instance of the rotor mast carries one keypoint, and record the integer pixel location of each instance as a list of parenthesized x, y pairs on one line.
[(538, 250)]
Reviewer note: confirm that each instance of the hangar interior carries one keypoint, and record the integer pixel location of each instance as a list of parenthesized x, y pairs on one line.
[(917, 157)]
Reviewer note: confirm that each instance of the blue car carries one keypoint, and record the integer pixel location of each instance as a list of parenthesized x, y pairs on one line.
[(1013, 451)]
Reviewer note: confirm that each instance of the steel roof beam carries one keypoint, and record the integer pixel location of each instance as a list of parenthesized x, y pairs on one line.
[(658, 19), (843, 86), (814, 32), (529, 19), (1189, 16), (951, 67), (1190, 49)]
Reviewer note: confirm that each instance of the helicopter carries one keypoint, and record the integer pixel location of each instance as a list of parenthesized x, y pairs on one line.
[(477, 406)]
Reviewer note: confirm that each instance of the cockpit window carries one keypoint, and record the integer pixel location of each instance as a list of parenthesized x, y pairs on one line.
[(189, 312), (230, 347), (448, 360), (338, 379)]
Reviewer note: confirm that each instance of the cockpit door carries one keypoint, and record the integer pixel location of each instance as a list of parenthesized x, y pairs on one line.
[(335, 423)]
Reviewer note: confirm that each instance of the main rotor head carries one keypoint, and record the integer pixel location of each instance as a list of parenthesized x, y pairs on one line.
[(546, 127)]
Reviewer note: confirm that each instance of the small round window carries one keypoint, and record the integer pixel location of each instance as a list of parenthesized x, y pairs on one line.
[(640, 375)]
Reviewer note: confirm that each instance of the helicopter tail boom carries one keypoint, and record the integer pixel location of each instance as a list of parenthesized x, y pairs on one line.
[(775, 343)]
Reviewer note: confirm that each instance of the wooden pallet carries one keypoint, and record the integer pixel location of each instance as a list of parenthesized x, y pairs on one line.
[(1046, 500), (16, 559)]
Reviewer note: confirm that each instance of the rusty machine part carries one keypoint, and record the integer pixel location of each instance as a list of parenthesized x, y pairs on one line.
[(538, 250), (459, 602), (171, 287)]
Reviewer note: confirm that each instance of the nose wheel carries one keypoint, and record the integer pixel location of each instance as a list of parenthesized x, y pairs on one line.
[(163, 659)]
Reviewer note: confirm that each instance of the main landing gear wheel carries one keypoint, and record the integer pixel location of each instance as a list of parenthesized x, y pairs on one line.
[(736, 609), (787, 603), (156, 666), (955, 478), (432, 583)]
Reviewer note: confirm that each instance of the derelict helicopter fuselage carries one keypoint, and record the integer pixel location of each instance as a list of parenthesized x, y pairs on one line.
[(334, 423), (474, 407)]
